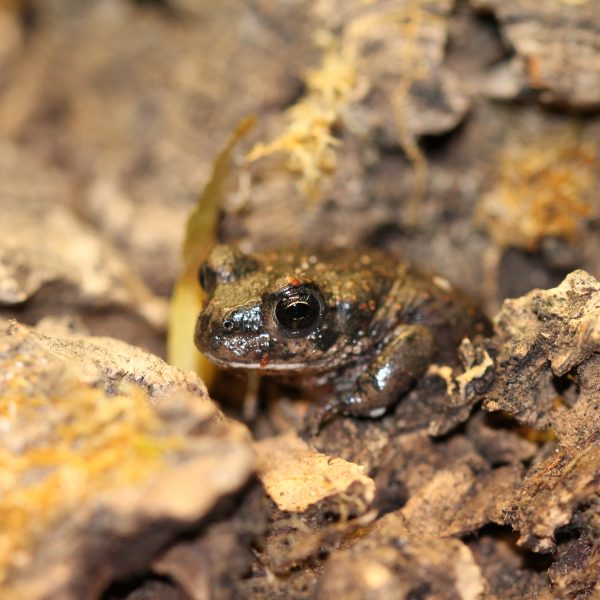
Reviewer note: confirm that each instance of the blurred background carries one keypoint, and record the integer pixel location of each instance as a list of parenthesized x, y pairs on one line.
[(460, 134)]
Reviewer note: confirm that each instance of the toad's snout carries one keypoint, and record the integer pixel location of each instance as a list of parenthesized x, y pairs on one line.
[(232, 334)]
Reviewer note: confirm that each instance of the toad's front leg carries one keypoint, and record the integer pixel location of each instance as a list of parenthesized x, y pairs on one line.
[(401, 361)]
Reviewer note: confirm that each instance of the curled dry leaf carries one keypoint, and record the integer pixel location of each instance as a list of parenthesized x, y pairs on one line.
[(296, 477)]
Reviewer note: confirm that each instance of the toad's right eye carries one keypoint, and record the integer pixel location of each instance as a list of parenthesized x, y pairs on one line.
[(298, 310), (207, 278)]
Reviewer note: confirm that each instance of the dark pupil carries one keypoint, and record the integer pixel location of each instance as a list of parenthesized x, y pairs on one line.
[(297, 313)]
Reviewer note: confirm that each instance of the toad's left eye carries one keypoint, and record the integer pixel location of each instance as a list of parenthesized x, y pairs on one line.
[(298, 310), (207, 278)]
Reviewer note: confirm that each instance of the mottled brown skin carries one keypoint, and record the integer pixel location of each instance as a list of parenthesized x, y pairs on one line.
[(365, 326)]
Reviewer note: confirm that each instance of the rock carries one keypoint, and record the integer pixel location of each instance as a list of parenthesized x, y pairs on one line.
[(111, 453)]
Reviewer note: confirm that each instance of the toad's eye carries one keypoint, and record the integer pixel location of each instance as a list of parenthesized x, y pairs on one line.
[(207, 278), (298, 310)]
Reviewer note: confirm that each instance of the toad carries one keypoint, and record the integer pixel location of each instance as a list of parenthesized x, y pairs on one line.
[(361, 327)]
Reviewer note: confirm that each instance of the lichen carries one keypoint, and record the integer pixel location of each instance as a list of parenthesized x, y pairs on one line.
[(546, 187), (61, 451)]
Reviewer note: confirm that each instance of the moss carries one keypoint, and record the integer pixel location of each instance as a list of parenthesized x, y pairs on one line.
[(308, 141)]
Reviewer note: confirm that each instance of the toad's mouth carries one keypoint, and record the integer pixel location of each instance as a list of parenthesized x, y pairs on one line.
[(264, 364), (262, 353)]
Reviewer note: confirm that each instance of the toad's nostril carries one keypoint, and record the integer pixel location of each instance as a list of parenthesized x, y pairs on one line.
[(228, 324)]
